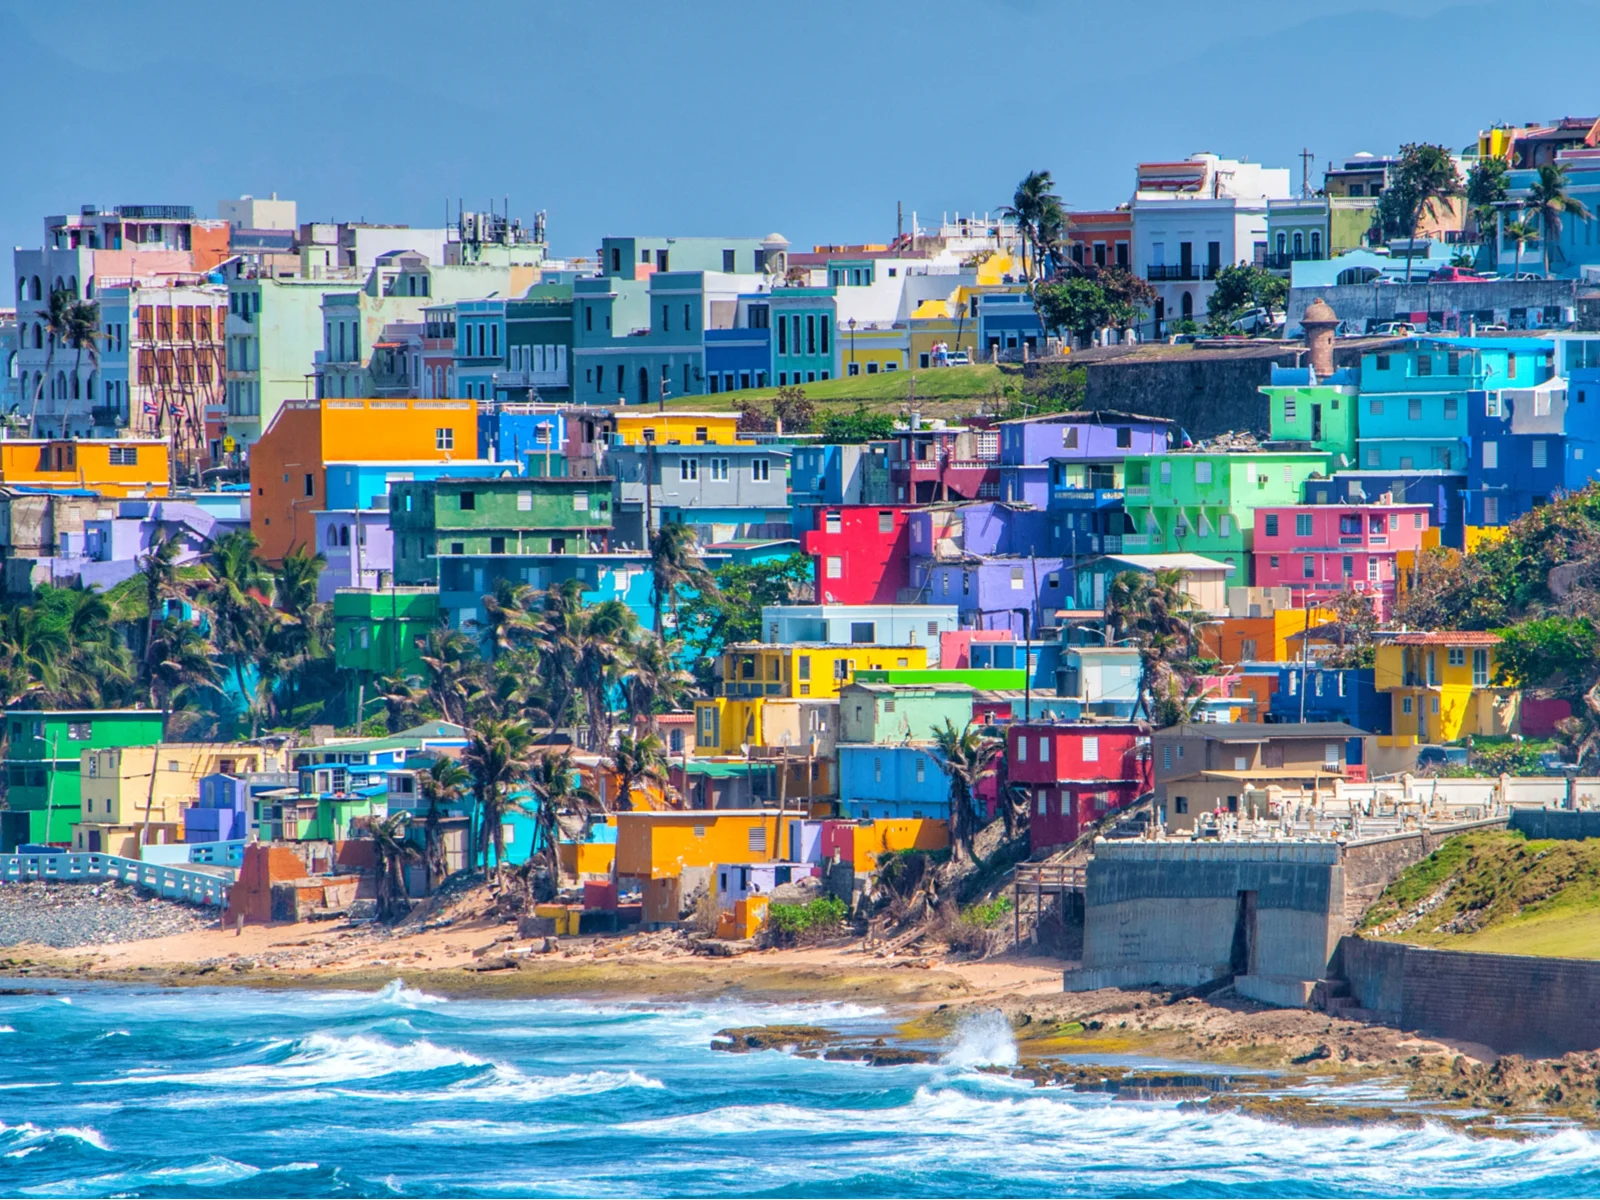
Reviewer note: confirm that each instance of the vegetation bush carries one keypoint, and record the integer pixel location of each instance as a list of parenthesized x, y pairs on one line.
[(989, 913), (792, 924)]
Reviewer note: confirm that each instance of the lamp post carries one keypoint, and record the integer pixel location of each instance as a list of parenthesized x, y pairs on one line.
[(852, 323)]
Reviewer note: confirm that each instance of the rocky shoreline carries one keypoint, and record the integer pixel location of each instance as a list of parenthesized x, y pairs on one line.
[(66, 915)]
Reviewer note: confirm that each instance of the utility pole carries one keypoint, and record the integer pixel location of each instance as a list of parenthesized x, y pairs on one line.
[(1305, 655), (1306, 159)]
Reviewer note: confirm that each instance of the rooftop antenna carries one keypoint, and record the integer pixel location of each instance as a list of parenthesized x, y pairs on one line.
[(1306, 159)]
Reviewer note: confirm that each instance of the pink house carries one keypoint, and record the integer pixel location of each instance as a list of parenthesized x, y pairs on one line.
[(1320, 550)]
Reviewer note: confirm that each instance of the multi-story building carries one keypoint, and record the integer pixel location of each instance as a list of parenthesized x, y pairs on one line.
[(1318, 551), (1441, 687), (862, 554), (861, 624), (934, 461), (288, 467), (1103, 238), (519, 517), (124, 468), (1301, 407), (1074, 774), (621, 575), (834, 474), (1530, 444), (1232, 768), (803, 342), (135, 795), (1205, 502), (539, 343), (1194, 217), (43, 764), (382, 632), (884, 713), (728, 491), (895, 782)]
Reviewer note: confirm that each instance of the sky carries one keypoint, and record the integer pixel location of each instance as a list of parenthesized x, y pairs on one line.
[(732, 118)]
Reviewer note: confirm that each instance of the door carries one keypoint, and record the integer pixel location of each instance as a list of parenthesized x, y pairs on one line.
[(94, 841), (1243, 959), (1186, 258), (1316, 422), (644, 386)]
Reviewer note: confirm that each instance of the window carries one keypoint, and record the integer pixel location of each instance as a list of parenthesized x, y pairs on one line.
[(469, 501), (830, 523), (1372, 570), (124, 456), (885, 522), (922, 768), (1180, 804), (719, 470), (1166, 472), (310, 486), (1044, 748), (835, 567), (444, 439), (458, 547), (1450, 408), (580, 502), (1456, 656), (1491, 455), (1016, 579), (497, 545), (1302, 525), (1424, 365), (1491, 510), (1272, 525), (1288, 408), (1405, 705), (1091, 749), (1540, 453), (1247, 649), (688, 469), (1166, 758), (79, 731), (1022, 748), (757, 839), (760, 470), (1347, 566), (1480, 668), (1308, 567), (1414, 409), (524, 501), (1202, 471), (877, 770)]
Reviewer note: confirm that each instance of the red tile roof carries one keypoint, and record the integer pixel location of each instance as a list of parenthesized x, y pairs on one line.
[(1447, 638)]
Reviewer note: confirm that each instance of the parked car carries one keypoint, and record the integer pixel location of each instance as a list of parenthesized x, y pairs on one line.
[(958, 358), (1394, 329), (1442, 756), (1496, 327), (1456, 275)]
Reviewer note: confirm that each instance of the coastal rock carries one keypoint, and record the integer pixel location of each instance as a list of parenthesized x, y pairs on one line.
[(68, 914)]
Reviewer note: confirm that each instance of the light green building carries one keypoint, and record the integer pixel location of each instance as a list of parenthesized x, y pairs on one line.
[(883, 713), (1297, 231), (379, 633), (1302, 408), (1204, 503), (273, 335), (993, 679), (43, 764)]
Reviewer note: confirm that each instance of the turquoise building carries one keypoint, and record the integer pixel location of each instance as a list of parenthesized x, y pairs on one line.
[(804, 348), (480, 348)]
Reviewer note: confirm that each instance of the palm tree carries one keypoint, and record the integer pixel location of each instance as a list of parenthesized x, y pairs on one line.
[(557, 788), (653, 679), (158, 567), (1154, 610), (968, 757), (674, 564), (638, 760), (1427, 174), (393, 850), (235, 602), (57, 323), (404, 700), (82, 333), (32, 651), (558, 639), (1521, 231), (454, 674), (1548, 199), (498, 757), (605, 640), (179, 665), (510, 622), (442, 784), (299, 637), (1028, 204)]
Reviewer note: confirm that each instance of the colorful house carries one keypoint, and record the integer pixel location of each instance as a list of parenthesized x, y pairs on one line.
[(124, 468), (1440, 687), (1530, 444), (288, 466), (1205, 502), (1075, 774), (933, 462), (138, 794), (861, 624), (862, 554), (894, 782), (1318, 551), (1303, 408), (44, 763), (881, 713)]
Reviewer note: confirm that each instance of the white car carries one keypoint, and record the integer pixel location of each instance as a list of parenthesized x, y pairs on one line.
[(959, 358)]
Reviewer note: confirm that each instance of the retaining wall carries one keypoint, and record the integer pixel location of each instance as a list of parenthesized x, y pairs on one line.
[(1561, 824), (1512, 1003)]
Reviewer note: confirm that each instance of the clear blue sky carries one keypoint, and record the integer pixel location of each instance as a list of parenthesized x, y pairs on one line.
[(733, 117)]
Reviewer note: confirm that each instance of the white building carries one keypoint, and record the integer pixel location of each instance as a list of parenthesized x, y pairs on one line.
[(1194, 217), (248, 212)]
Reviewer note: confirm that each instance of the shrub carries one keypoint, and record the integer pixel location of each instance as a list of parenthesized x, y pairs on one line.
[(790, 924), (988, 914)]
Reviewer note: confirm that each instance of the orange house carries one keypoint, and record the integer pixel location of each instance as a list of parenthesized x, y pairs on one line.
[(288, 464), (124, 468)]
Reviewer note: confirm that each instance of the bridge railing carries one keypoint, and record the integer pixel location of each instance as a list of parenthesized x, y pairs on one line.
[(171, 882)]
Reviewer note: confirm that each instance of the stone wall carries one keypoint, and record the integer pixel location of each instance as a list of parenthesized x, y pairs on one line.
[(1370, 866), (1512, 1003), (1559, 824)]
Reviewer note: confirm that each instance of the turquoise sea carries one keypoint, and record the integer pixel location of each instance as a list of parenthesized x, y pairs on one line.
[(129, 1091)]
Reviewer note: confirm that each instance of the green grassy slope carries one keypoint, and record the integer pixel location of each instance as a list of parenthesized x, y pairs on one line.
[(958, 388), (1496, 891)]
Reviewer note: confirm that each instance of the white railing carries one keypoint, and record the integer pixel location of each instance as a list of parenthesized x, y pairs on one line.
[(174, 883)]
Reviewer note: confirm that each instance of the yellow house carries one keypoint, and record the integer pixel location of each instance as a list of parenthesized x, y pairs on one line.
[(125, 468), (119, 785), (1440, 690), (874, 351), (677, 428)]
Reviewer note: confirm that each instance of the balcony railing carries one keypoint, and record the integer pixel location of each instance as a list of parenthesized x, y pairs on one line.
[(1135, 541), (1179, 272), (1137, 491), (1282, 261)]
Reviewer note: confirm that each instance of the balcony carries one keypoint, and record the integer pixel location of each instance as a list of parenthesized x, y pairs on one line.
[(1283, 260), (1132, 543), (1181, 272), (1137, 491)]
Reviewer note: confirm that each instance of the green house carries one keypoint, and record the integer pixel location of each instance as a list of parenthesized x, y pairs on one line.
[(1204, 503), (43, 755), (991, 679), (1322, 413), (381, 632), (884, 713), (515, 515)]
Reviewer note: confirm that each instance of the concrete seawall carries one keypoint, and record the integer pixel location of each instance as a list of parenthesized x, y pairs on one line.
[(1512, 1003)]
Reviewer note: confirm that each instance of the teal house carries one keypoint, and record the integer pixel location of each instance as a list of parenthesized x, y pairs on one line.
[(43, 760), (804, 348)]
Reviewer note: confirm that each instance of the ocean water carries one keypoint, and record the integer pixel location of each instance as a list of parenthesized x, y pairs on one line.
[(128, 1091)]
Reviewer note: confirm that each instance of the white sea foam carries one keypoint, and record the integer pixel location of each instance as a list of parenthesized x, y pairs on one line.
[(6, 1029), (397, 992), (113, 1033), (983, 1040), (326, 1059), (29, 1134), (507, 1083)]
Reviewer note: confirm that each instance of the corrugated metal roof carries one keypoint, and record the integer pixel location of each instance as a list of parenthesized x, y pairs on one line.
[(1447, 638)]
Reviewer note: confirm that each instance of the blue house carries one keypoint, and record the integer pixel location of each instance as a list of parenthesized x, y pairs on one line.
[(803, 343), (738, 358), (893, 782), (834, 475), (480, 347), (619, 575), (1008, 321), (1333, 694), (1530, 444), (511, 432), (1443, 491)]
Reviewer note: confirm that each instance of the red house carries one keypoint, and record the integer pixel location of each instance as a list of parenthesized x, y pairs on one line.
[(862, 553), (1076, 773)]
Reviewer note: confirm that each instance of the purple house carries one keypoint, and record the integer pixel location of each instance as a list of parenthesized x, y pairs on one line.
[(989, 590), (1081, 457), (223, 813)]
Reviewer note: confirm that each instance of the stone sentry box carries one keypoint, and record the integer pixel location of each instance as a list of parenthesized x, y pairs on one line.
[(1186, 913)]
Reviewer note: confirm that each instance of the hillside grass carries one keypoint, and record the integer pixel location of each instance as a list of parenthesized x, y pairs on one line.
[(959, 389), (1498, 892)]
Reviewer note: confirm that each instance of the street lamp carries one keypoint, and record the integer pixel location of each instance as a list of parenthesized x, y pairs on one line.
[(852, 323)]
